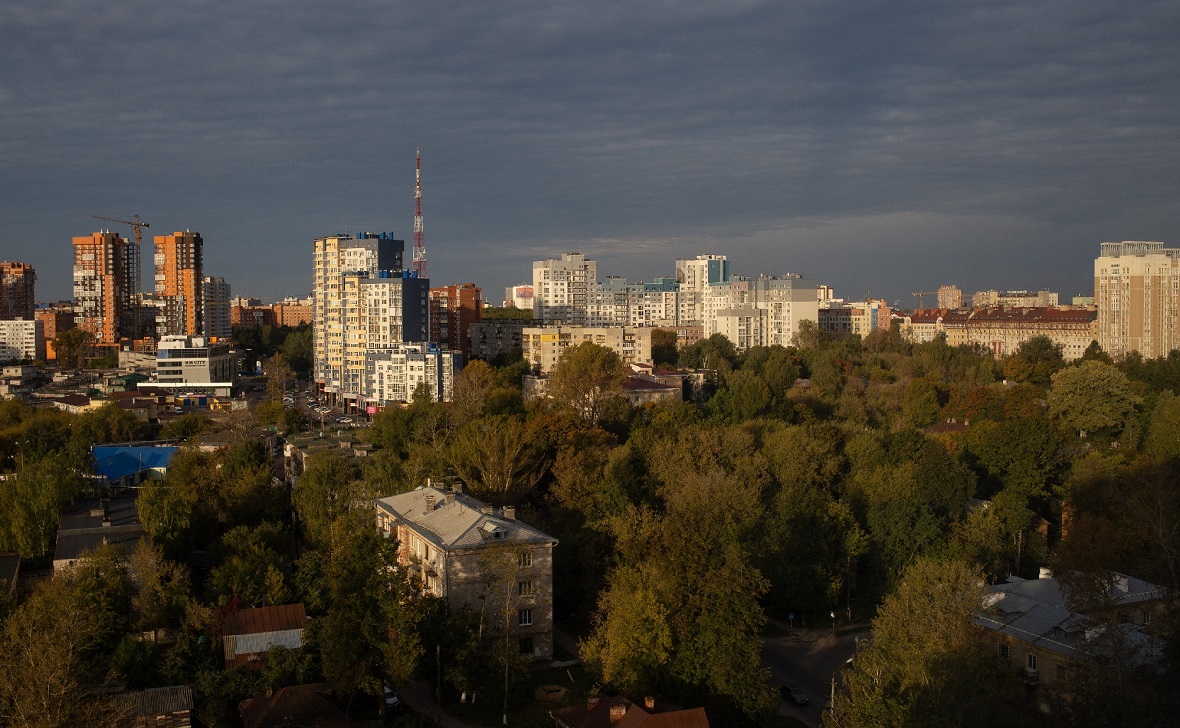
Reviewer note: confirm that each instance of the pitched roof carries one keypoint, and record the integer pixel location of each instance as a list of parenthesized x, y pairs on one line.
[(460, 524), (264, 619), (1035, 611), (298, 706), (583, 716), (116, 461), (158, 701)]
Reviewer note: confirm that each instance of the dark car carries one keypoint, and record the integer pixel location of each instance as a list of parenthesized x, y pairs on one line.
[(795, 694)]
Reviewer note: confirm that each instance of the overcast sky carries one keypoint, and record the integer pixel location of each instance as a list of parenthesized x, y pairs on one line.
[(880, 147)]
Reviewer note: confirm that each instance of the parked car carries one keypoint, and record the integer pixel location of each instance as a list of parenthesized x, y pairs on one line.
[(795, 694)]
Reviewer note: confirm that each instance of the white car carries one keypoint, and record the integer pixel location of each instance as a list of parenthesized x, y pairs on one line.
[(346, 420)]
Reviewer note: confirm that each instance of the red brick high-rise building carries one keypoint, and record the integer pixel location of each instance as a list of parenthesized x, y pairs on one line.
[(104, 287), (179, 276), (452, 309), (17, 300)]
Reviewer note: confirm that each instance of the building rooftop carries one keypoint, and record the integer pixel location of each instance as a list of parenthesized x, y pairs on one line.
[(464, 523), (598, 715), (87, 524), (264, 619), (115, 462), (157, 701), (1035, 611)]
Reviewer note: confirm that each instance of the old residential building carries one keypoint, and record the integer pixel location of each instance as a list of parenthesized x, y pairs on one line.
[(1042, 639), (443, 537), (1002, 330)]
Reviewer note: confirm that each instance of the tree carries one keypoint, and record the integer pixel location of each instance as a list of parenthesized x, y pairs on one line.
[(926, 664), (472, 387), (72, 347), (328, 489), (499, 458), (1163, 433), (164, 588), (370, 633), (31, 500), (277, 372), (251, 567), (1092, 397), (586, 376), (687, 576), (44, 666), (663, 347)]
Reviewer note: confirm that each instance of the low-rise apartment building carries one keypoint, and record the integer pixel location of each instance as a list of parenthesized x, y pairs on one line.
[(444, 538)]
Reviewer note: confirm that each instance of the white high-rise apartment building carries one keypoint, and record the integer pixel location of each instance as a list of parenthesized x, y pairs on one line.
[(563, 289), (362, 300), (695, 277), (1137, 292)]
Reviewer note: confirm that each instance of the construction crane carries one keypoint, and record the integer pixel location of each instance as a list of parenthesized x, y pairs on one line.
[(919, 294), (133, 276)]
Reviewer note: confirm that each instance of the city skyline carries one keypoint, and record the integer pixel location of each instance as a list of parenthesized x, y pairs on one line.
[(873, 148)]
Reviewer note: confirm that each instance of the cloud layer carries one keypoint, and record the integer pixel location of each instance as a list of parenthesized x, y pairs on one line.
[(877, 146)]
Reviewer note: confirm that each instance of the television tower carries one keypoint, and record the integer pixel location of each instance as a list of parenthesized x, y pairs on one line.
[(419, 264)]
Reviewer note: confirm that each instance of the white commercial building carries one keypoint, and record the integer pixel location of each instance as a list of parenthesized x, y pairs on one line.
[(192, 364)]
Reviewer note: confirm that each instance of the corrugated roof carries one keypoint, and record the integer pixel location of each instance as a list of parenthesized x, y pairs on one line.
[(458, 524), (264, 619), (116, 462), (158, 701)]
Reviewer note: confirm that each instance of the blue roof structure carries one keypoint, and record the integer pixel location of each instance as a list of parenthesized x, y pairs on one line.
[(115, 462)]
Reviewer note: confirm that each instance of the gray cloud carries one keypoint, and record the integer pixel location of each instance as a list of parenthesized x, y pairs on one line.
[(873, 145)]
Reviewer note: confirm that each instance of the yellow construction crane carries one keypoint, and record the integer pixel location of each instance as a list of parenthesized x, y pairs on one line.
[(136, 283), (919, 294)]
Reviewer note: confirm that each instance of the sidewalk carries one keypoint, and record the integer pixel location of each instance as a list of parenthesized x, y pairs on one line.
[(419, 695)]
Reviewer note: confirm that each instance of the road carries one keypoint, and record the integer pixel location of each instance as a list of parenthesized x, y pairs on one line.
[(807, 658)]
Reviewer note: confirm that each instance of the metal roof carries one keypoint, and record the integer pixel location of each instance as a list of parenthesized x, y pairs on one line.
[(458, 524)]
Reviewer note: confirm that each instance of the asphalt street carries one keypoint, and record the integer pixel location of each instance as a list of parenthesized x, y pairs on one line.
[(808, 659)]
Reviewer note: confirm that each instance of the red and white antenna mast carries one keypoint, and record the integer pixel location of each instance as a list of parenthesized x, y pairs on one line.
[(419, 264)]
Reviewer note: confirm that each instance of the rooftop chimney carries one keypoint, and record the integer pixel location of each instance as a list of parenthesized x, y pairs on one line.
[(617, 712), (1045, 573), (650, 703), (509, 513), (592, 702), (450, 497), (429, 502), (486, 509)]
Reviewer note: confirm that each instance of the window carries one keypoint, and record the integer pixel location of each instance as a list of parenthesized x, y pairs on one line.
[(526, 645), (1032, 662), (1062, 672), (526, 558), (1146, 616), (1004, 651), (524, 589), (524, 618)]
